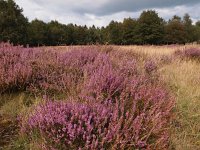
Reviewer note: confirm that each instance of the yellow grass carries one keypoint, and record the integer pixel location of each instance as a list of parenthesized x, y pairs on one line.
[(184, 80), (157, 50)]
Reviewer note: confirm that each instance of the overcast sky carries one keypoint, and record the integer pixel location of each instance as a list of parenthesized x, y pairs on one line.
[(101, 12)]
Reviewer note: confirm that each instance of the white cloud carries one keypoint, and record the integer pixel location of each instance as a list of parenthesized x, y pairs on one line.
[(85, 12)]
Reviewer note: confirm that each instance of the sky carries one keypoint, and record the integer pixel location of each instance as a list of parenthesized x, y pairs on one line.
[(101, 12)]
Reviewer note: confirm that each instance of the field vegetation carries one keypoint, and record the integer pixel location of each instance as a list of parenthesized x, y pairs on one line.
[(94, 97)]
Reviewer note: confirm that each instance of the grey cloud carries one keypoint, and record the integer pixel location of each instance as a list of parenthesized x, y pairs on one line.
[(114, 6), (107, 7)]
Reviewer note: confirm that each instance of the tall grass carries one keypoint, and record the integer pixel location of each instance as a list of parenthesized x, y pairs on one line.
[(183, 77)]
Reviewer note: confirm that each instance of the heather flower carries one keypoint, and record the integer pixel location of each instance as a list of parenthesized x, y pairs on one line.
[(192, 53), (109, 125), (150, 66), (72, 125)]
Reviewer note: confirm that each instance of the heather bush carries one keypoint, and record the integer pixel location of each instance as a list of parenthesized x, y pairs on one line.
[(138, 110), (103, 84), (63, 73), (42, 71), (192, 53), (72, 125), (134, 95), (150, 66), (137, 120), (110, 100), (15, 73)]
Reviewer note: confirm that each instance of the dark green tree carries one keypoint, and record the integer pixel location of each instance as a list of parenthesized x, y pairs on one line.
[(129, 31), (56, 33), (175, 31), (13, 24), (114, 33), (104, 35), (93, 35), (189, 28), (150, 28), (80, 35), (197, 31), (69, 34), (37, 33)]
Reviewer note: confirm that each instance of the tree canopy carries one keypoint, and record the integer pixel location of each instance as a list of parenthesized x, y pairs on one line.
[(150, 28), (13, 24)]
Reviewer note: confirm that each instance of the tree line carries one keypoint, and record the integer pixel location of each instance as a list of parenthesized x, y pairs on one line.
[(149, 28)]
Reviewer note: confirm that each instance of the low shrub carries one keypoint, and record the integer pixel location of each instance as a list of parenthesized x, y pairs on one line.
[(150, 66), (124, 111), (65, 125), (42, 71), (192, 53), (111, 101)]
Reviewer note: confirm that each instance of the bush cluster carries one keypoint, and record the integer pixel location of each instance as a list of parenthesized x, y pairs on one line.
[(192, 53), (111, 100)]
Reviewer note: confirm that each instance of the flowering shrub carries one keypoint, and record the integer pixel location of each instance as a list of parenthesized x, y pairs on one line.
[(137, 121), (15, 73), (72, 126), (138, 112), (192, 53), (112, 101), (63, 73), (150, 66), (42, 71)]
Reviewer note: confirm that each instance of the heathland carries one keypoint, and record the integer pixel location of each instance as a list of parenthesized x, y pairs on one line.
[(100, 97)]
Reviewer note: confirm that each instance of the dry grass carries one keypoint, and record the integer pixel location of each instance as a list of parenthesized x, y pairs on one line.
[(157, 50), (184, 80), (11, 106)]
